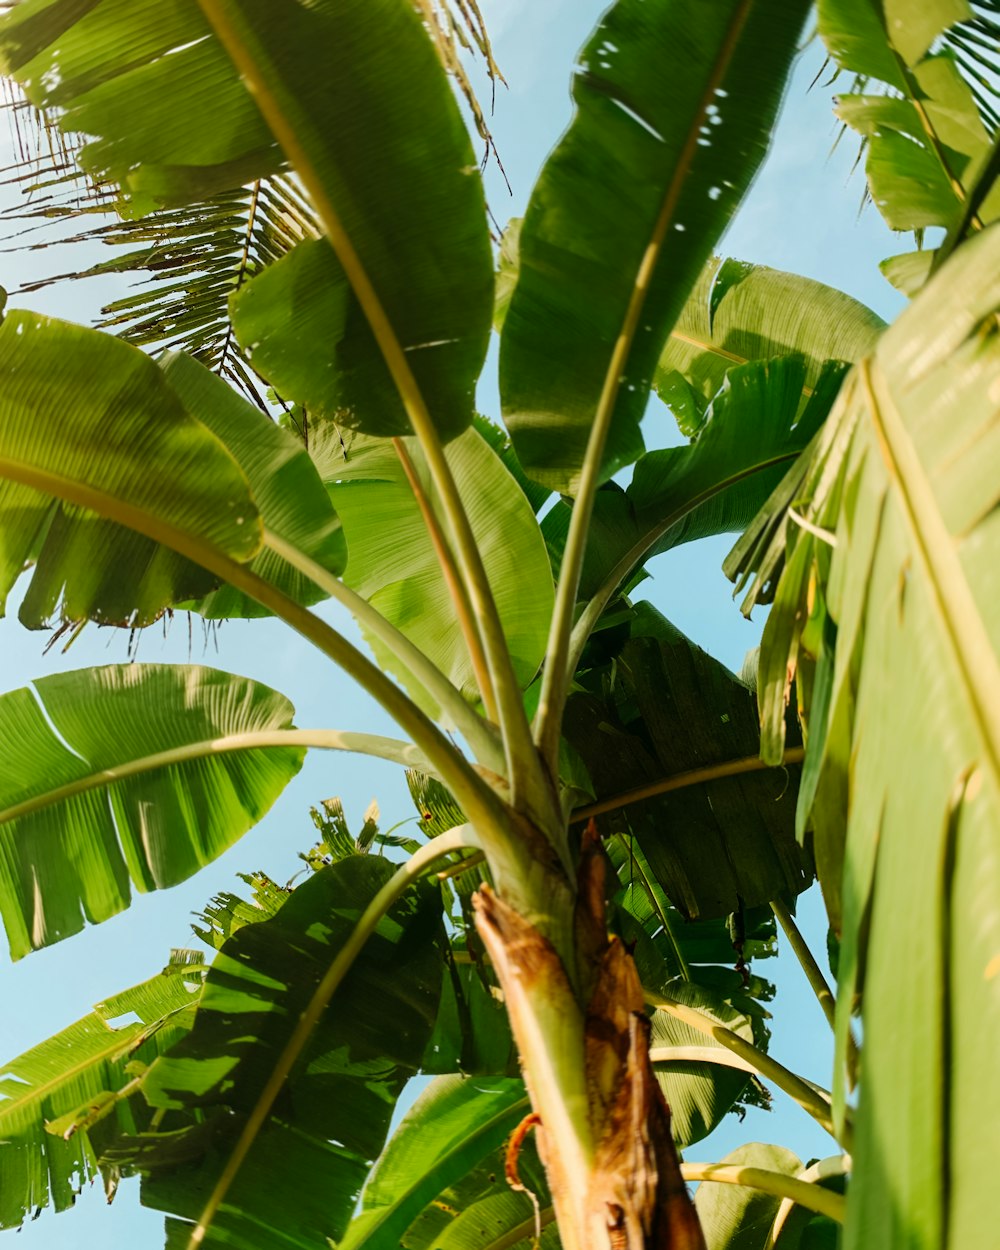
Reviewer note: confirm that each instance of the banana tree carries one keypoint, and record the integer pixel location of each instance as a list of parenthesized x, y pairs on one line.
[(507, 651)]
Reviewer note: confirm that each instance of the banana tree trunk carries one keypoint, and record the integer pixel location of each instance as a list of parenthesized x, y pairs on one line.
[(577, 1012)]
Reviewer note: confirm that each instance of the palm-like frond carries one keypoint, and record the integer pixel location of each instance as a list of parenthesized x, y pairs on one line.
[(975, 44), (188, 262)]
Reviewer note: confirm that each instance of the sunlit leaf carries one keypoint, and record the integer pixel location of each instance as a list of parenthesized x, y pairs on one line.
[(123, 775), (627, 210)]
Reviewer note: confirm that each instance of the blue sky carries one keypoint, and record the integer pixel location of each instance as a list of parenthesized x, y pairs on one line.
[(802, 215)]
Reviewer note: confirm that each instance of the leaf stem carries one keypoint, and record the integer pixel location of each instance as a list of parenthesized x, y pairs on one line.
[(263, 739), (557, 673), (810, 1097), (456, 839), (456, 587), (484, 743), (702, 1054), (679, 781), (802, 1193), (814, 974)]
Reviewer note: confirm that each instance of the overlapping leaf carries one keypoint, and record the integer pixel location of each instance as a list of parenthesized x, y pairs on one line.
[(754, 430), (123, 774), (698, 1093), (654, 706), (455, 1125), (176, 123), (287, 490), (737, 1217), (299, 1183), (392, 561), (626, 211), (893, 631), (740, 312)]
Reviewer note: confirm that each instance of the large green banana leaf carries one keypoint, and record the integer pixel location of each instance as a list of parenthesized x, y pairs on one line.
[(60, 1100), (888, 609), (392, 562), (83, 418), (652, 706), (166, 96), (140, 773), (298, 1185), (739, 312), (627, 210)]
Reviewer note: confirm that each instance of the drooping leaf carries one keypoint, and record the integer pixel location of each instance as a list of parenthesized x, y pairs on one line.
[(83, 418), (299, 1183), (287, 489), (455, 1124), (893, 632), (60, 1100), (654, 706), (392, 562), (130, 773), (626, 211)]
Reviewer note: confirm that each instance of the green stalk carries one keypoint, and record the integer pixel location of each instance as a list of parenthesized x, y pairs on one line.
[(802, 1193), (457, 591), (680, 781), (454, 840), (718, 1055), (823, 1169), (557, 673), (484, 743), (814, 974), (325, 739)]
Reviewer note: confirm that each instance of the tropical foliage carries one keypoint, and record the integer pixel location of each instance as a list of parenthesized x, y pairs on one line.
[(612, 826)]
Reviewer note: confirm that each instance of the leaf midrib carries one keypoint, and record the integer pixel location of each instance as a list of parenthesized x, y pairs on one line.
[(328, 739)]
